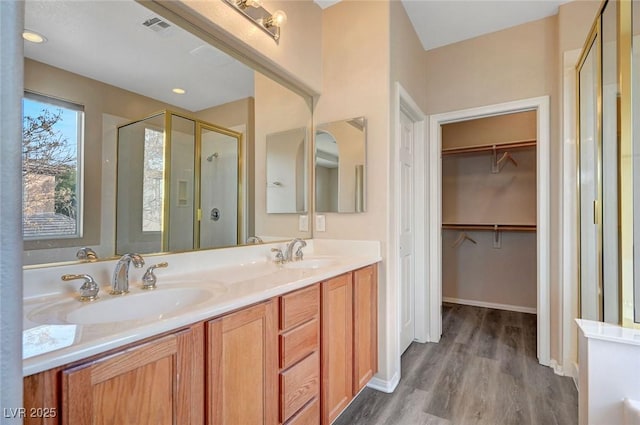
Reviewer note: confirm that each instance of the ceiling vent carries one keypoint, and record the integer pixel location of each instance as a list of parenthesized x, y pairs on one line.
[(157, 25)]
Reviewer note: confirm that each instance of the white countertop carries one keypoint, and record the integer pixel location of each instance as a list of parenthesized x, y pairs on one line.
[(243, 276), (609, 332)]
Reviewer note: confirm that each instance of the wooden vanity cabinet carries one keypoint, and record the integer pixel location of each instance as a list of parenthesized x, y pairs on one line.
[(143, 384), (349, 338), (299, 342), (337, 346), (298, 359), (365, 326), (242, 367)]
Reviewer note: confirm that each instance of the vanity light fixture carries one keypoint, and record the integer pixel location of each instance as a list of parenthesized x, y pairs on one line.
[(265, 20), (33, 37), (178, 90)]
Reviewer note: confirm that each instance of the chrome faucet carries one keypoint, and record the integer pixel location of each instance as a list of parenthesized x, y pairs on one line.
[(288, 253), (120, 284)]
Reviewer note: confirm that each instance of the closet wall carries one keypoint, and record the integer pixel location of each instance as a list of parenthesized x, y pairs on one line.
[(499, 269)]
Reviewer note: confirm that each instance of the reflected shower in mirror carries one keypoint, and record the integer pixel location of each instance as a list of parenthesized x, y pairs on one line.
[(187, 205), (340, 164), (114, 63)]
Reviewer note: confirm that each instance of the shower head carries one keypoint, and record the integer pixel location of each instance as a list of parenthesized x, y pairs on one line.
[(213, 155)]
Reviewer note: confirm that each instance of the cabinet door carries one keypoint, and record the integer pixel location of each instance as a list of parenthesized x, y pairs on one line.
[(243, 367), (158, 382), (337, 344), (365, 326)]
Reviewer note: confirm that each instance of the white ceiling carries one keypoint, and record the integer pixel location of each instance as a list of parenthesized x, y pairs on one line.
[(106, 41), (442, 22)]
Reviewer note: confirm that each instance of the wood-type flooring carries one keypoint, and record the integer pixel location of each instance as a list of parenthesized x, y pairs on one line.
[(484, 371)]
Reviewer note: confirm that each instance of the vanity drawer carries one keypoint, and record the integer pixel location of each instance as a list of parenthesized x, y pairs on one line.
[(299, 306), (298, 385), (299, 342), (309, 415)]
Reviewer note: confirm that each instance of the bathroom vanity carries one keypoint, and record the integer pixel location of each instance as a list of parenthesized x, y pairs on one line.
[(278, 344)]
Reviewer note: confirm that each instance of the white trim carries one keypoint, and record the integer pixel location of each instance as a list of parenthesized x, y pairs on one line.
[(385, 386), (568, 205), (541, 105), (403, 102), (557, 368), (508, 307), (575, 374)]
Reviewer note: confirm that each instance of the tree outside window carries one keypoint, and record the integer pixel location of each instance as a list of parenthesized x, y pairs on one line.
[(51, 142)]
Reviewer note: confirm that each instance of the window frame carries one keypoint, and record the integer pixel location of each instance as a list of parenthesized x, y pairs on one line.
[(80, 142)]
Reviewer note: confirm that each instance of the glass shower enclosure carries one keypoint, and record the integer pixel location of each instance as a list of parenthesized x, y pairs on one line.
[(178, 185)]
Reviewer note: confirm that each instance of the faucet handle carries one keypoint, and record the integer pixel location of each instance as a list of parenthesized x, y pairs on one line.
[(279, 255), (149, 279), (88, 290), (87, 254)]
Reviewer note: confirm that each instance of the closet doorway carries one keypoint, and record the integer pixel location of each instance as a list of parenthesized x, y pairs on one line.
[(489, 212)]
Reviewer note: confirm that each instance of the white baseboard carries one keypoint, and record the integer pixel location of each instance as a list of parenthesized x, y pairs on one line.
[(496, 306), (557, 369), (383, 385)]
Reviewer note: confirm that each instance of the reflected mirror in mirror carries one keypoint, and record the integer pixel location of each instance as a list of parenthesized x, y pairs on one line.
[(107, 65), (287, 171), (340, 166)]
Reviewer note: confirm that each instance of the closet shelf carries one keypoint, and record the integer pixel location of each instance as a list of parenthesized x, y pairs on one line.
[(489, 148), (507, 227)]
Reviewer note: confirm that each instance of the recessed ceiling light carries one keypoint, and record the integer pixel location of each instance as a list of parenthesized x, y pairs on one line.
[(33, 36), (178, 90)]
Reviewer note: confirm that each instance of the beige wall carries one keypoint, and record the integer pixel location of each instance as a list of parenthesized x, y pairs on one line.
[(408, 59), (355, 81), (512, 64)]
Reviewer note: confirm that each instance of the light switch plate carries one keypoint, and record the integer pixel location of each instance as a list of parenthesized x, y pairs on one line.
[(320, 223), (303, 223)]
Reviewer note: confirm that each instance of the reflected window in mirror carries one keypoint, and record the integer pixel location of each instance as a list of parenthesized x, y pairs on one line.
[(340, 166), (52, 136)]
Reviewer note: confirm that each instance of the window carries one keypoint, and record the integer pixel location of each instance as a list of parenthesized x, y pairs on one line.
[(52, 135), (152, 180)]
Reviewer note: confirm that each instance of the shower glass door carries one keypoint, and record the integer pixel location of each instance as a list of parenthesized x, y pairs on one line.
[(219, 187), (589, 180)]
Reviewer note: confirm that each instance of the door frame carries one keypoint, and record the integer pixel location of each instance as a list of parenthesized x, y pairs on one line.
[(543, 235)]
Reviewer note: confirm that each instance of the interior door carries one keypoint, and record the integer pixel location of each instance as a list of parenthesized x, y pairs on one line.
[(407, 231)]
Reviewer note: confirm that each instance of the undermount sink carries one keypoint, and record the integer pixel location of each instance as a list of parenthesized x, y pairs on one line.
[(142, 305), (311, 263)]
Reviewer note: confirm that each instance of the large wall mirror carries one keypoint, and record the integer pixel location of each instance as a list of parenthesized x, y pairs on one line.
[(340, 166), (139, 136)]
